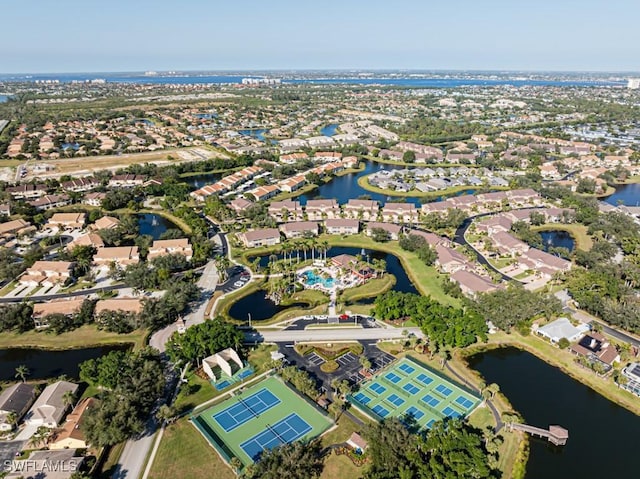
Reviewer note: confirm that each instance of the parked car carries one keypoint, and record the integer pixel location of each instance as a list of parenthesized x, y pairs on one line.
[(343, 316), (237, 284)]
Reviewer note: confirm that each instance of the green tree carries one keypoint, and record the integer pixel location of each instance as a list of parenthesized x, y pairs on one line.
[(22, 372), (296, 460)]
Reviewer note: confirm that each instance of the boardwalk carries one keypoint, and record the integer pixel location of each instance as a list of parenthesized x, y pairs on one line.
[(555, 434)]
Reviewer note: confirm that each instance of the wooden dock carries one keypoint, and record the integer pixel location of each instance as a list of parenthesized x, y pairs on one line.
[(556, 435)]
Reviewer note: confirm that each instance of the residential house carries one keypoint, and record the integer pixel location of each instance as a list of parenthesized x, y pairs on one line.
[(508, 245), (293, 158), (263, 193), (47, 273), (27, 191), (124, 305), (449, 260), (48, 202), (94, 199), (400, 213), (61, 464), (121, 256), (239, 205), (78, 185), (561, 328), (394, 231), (172, 246), (51, 405), (260, 237), (15, 400), (432, 239), (287, 210), (472, 284), (339, 226), (13, 228), (5, 209), (327, 156), (594, 346), (292, 184), (366, 210), (322, 209), (68, 307), (90, 239), (105, 223), (300, 229), (67, 221), (71, 436), (126, 181)]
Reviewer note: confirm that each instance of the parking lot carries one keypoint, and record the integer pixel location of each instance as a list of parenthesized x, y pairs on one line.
[(238, 277)]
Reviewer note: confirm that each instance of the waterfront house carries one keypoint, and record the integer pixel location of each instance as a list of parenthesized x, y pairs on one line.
[(472, 284), (172, 246), (432, 239), (339, 226), (121, 256), (400, 213), (260, 237), (105, 223), (51, 406), (594, 346), (263, 193), (71, 436), (68, 307), (561, 328), (394, 231), (508, 245), (449, 260), (291, 184), (15, 400), (124, 305), (300, 229)]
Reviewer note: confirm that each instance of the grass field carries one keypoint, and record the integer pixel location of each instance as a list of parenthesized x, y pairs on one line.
[(83, 337), (409, 388), (242, 425), (363, 181)]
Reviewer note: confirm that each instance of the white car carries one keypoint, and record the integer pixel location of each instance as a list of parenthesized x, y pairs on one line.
[(237, 284)]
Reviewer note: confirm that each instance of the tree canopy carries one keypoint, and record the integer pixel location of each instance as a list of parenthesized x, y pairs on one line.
[(202, 340)]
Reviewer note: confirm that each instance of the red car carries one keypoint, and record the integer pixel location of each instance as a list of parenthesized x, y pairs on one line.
[(343, 316)]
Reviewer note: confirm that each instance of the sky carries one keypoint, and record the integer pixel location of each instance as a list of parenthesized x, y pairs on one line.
[(39, 36)]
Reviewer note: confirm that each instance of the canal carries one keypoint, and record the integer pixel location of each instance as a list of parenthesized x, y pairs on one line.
[(602, 435), (45, 364)]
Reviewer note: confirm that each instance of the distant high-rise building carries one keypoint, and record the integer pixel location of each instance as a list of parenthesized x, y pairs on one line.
[(633, 83)]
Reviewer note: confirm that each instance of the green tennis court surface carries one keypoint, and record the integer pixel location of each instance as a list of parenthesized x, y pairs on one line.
[(264, 416), (408, 388)]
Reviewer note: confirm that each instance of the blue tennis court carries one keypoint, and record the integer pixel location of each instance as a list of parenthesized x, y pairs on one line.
[(450, 412), (363, 398), (381, 410), (404, 367), (286, 431), (241, 412), (444, 390), (424, 379), (430, 400), (415, 412), (431, 423), (411, 388), (395, 400), (464, 402), (222, 385), (377, 388), (394, 378)]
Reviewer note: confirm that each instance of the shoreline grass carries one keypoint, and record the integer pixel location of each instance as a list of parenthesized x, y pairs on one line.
[(83, 337), (577, 231)]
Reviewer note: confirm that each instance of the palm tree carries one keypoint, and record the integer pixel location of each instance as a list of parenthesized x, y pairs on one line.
[(22, 372), (236, 464), (68, 398), (166, 414), (493, 388), (365, 363)]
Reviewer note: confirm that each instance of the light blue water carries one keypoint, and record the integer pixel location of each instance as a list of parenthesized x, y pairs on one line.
[(311, 279), (329, 130)]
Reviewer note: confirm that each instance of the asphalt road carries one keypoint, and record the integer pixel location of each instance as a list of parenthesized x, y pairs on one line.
[(341, 334)]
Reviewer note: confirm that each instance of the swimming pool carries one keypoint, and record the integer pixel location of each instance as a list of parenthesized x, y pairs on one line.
[(311, 279)]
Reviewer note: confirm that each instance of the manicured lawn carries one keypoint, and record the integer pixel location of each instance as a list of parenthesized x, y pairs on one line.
[(196, 391), (577, 231), (341, 467), (363, 181), (373, 287), (183, 452), (85, 336)]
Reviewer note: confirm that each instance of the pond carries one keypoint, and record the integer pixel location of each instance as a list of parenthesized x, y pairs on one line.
[(45, 364), (329, 130), (343, 188), (602, 435), (154, 225), (557, 239), (628, 195), (259, 306), (196, 182)]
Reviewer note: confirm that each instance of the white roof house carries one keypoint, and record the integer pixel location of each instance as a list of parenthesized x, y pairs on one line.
[(50, 407), (562, 328), (222, 361)]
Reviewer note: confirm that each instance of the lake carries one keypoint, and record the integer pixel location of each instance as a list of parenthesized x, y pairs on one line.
[(45, 364), (602, 435), (259, 306), (3, 98), (628, 195), (196, 182), (556, 239), (154, 225)]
